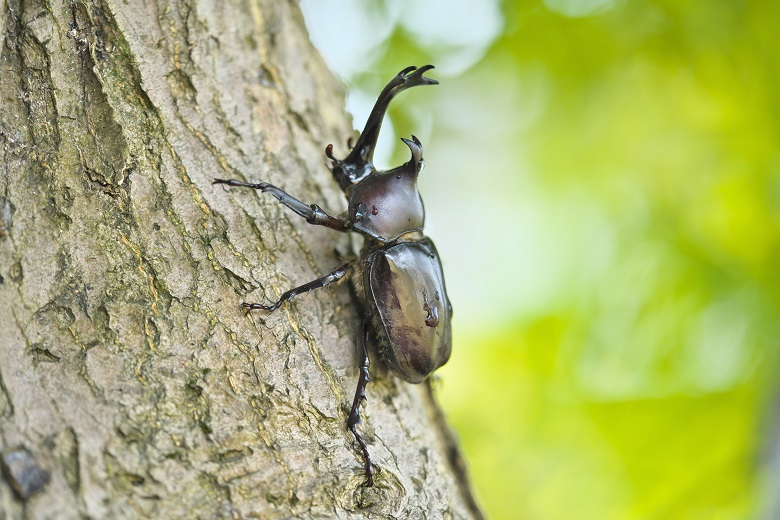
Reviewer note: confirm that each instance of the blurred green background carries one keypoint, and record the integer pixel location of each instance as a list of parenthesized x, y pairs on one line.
[(603, 185)]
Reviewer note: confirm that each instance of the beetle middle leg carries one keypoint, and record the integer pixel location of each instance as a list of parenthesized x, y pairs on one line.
[(360, 396), (333, 277), (311, 212)]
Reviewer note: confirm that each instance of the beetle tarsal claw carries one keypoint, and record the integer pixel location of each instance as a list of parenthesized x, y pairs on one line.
[(397, 263)]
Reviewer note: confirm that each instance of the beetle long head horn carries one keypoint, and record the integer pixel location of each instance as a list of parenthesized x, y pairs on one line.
[(412, 76), (415, 146)]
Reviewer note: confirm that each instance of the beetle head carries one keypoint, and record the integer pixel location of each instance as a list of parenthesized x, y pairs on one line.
[(360, 161)]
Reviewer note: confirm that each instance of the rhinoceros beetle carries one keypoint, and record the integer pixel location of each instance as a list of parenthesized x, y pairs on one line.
[(398, 274)]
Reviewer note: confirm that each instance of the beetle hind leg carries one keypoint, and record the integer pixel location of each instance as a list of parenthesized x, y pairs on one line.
[(332, 277), (360, 395)]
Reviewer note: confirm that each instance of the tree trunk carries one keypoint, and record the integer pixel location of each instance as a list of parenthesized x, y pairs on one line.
[(132, 384)]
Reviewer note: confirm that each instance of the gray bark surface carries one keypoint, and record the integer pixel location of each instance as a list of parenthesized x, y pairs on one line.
[(128, 370)]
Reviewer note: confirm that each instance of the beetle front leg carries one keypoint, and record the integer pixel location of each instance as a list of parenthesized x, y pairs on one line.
[(354, 414), (326, 280), (311, 212)]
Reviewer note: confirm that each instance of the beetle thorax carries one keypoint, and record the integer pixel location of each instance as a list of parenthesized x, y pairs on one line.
[(386, 205)]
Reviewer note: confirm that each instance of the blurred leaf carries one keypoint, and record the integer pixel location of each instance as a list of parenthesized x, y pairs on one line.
[(604, 188)]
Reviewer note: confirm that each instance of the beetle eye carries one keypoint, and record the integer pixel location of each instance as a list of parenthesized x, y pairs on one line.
[(420, 165)]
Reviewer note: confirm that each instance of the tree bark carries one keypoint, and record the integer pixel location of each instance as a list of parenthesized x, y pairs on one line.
[(132, 384)]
